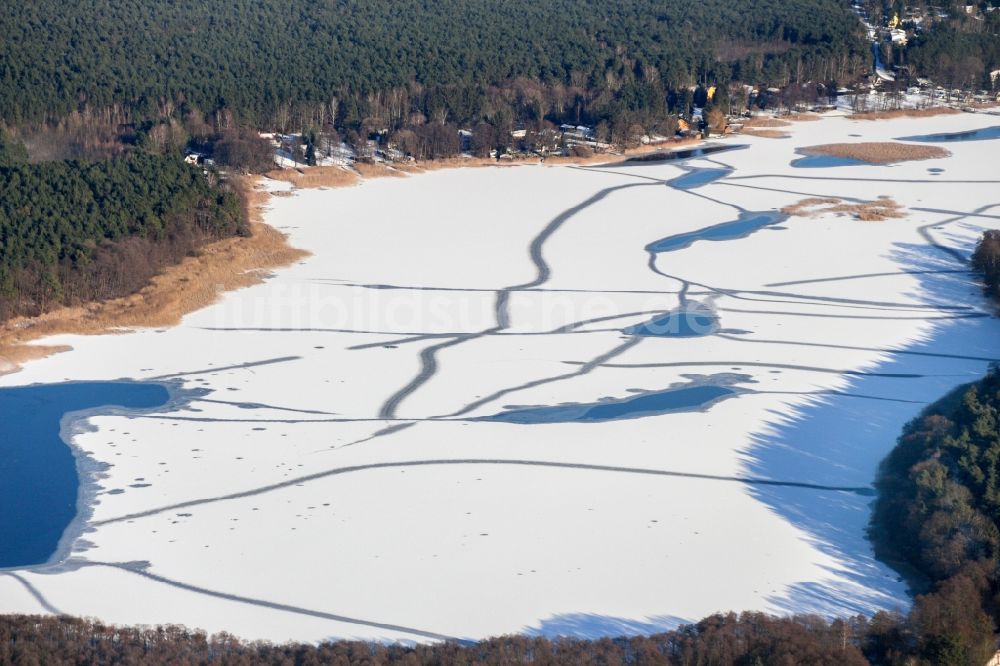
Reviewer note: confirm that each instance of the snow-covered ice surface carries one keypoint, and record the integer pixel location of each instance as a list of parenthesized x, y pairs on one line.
[(329, 468)]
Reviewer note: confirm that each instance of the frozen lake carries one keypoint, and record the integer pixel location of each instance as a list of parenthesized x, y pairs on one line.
[(552, 399)]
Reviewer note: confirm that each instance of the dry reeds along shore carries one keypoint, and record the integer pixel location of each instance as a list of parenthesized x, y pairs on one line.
[(194, 283), (905, 113), (315, 177), (765, 127), (804, 116), (765, 133), (878, 152), (759, 122)]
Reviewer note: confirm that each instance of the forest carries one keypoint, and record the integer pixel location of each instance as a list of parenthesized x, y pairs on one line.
[(121, 89), (953, 42), (958, 58), (748, 639), (986, 260), (383, 64), (75, 231), (937, 516)]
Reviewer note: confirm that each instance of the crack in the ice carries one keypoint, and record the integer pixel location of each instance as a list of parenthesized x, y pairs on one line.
[(428, 356), (337, 471), (263, 603), (33, 591)]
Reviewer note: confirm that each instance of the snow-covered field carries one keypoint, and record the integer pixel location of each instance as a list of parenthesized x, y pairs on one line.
[(325, 470)]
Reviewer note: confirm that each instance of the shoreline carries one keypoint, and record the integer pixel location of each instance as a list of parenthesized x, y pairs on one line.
[(90, 471), (234, 263), (307, 177), (196, 282)]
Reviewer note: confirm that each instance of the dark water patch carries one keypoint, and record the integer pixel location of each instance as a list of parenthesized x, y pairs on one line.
[(985, 134), (825, 162), (698, 178), (39, 483), (693, 321), (661, 156), (747, 223), (694, 396)]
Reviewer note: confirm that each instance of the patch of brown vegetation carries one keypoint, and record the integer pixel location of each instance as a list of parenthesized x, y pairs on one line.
[(884, 152), (905, 113), (16, 356), (811, 202), (765, 121), (596, 158), (766, 133), (663, 145), (883, 208), (611, 158), (194, 283), (315, 177), (461, 163), (378, 170), (805, 116)]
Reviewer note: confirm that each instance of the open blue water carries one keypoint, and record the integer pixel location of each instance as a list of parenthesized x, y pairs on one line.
[(674, 155), (38, 475), (825, 161), (655, 403), (984, 134), (692, 322), (747, 223), (698, 177)]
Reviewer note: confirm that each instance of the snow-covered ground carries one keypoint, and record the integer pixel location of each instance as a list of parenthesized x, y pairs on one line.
[(325, 471)]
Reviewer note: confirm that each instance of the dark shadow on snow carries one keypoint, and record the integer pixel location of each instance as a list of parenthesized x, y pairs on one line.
[(588, 625), (839, 440)]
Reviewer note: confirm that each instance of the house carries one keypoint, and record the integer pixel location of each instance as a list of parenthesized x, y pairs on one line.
[(579, 132), (465, 140)]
